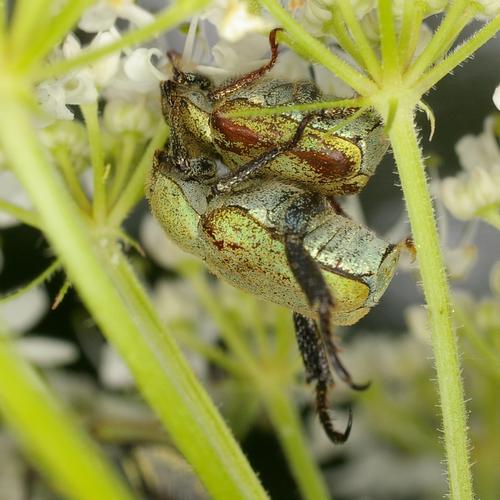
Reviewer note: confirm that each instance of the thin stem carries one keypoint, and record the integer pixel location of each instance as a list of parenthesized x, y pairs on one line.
[(488, 359), (210, 353), (165, 20), (90, 115), (46, 37), (371, 63), (68, 170), (318, 51), (287, 424), (413, 14), (446, 33), (41, 278), (75, 466), (25, 216), (388, 42), (3, 23), (231, 335), (354, 102), (411, 170), (458, 56), (29, 16), (127, 152), (338, 28), (134, 190), (163, 376)]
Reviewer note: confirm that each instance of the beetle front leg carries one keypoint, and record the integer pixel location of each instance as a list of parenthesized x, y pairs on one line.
[(315, 362)]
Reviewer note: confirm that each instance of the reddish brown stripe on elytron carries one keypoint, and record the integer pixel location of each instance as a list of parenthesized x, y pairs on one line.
[(234, 132), (327, 163)]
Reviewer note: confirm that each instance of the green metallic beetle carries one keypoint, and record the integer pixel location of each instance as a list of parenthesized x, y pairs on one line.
[(330, 151), (284, 244)]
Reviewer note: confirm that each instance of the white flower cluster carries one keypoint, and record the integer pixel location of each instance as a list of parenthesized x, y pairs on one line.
[(477, 188), (131, 75)]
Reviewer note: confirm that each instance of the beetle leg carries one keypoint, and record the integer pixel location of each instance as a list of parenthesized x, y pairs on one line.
[(315, 361), (243, 81), (245, 171), (308, 275)]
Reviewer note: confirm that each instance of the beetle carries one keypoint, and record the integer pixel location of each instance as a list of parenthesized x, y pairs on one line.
[(333, 151), (284, 244)]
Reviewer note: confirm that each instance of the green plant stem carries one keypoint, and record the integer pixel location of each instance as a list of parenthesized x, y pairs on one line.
[(62, 156), (126, 155), (25, 216), (318, 51), (458, 56), (72, 462), (134, 190), (162, 375), (91, 117), (411, 171), (371, 63), (413, 15), (442, 38), (492, 217), (388, 42), (286, 423), (48, 35), (338, 28), (172, 16)]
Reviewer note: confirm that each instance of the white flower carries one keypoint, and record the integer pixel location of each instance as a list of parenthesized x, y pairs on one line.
[(138, 73), (11, 191), (104, 15), (22, 313), (113, 372), (81, 86), (46, 352), (496, 97), (477, 188), (234, 21), (491, 8), (123, 117)]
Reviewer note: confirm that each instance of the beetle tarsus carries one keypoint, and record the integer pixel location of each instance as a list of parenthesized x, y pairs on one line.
[(325, 418)]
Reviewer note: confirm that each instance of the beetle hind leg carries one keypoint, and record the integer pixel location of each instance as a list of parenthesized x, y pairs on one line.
[(314, 357)]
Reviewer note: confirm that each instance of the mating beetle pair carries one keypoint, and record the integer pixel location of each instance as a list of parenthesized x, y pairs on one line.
[(272, 227)]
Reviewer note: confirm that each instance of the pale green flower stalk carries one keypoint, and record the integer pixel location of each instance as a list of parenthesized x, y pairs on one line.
[(77, 469), (87, 247), (394, 85)]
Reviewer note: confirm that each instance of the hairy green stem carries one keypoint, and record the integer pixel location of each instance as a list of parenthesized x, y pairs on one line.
[(458, 56), (162, 375), (76, 467), (411, 171), (287, 424), (441, 39)]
